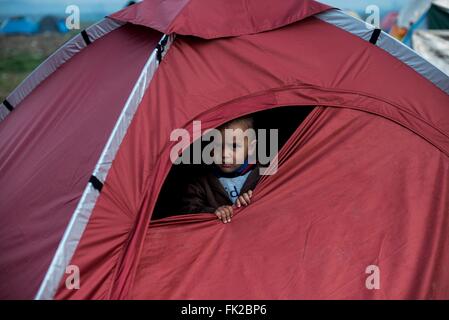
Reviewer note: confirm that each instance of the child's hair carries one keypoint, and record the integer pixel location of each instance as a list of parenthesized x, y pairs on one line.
[(247, 120)]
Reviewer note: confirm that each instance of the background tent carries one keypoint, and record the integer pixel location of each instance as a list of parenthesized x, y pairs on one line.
[(363, 181), (434, 46), (425, 25), (421, 15), (52, 24), (19, 25), (438, 15)]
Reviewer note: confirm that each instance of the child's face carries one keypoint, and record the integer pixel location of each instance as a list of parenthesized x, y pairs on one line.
[(235, 151)]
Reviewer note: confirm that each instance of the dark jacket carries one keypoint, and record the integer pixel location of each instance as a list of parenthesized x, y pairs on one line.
[(206, 193)]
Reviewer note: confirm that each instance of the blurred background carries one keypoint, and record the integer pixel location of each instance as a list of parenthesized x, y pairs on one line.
[(30, 30)]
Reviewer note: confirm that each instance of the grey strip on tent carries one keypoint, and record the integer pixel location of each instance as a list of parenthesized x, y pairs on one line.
[(389, 44), (434, 46), (80, 217), (59, 57), (4, 111)]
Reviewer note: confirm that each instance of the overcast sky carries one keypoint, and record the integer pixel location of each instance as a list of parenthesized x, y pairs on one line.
[(25, 7), (360, 5), (57, 7)]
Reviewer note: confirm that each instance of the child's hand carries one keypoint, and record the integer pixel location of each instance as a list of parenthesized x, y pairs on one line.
[(224, 213), (244, 199)]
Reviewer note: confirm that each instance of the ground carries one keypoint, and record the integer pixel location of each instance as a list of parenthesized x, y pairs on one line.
[(19, 55)]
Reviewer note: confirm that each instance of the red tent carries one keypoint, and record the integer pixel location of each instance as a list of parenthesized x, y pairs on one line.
[(363, 182)]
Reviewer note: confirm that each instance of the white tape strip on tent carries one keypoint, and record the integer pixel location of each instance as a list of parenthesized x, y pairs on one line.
[(54, 61), (81, 216), (389, 44)]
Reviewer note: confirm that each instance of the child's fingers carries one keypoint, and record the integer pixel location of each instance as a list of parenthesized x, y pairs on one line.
[(228, 214), (247, 199), (226, 218), (237, 203), (242, 201), (222, 214)]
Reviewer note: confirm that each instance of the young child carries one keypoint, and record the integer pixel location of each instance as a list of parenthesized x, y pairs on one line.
[(230, 182)]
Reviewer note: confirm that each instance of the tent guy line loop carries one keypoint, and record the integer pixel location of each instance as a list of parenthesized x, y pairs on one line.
[(375, 36), (96, 183), (161, 48), (85, 37), (8, 105)]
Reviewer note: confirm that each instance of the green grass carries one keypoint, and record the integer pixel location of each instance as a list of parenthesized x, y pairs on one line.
[(20, 55), (14, 69), (20, 63)]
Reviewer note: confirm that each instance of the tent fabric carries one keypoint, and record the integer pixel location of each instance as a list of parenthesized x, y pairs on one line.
[(389, 44), (210, 19), (63, 125), (352, 77), (362, 182), (315, 226), (19, 25), (438, 17), (82, 213), (52, 24), (57, 59)]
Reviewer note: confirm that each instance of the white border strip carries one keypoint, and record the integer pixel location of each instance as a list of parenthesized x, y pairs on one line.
[(389, 44), (80, 217), (54, 61), (3, 112)]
